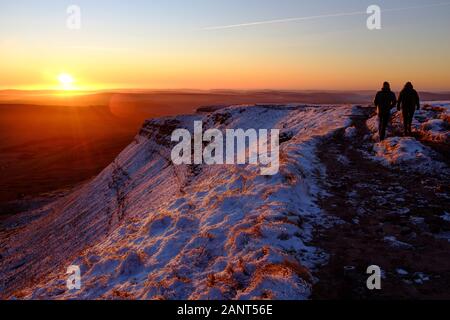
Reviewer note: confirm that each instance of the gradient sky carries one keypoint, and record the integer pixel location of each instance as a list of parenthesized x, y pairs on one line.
[(169, 44)]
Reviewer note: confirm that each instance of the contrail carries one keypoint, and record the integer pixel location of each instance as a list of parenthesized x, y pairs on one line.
[(342, 14)]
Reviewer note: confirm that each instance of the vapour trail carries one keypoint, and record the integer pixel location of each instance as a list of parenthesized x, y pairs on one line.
[(332, 15)]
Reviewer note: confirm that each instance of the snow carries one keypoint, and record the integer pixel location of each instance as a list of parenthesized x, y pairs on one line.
[(350, 132), (431, 123), (395, 243), (420, 277), (446, 216), (436, 130), (406, 151), (402, 272), (147, 229), (445, 235), (417, 220)]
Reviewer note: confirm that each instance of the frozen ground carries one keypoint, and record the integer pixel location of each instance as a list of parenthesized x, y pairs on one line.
[(430, 125), (393, 199), (147, 229)]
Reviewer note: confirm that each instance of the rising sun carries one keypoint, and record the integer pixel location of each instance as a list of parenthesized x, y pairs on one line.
[(66, 81)]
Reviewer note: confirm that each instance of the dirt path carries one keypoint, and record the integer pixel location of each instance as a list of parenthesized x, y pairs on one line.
[(392, 219)]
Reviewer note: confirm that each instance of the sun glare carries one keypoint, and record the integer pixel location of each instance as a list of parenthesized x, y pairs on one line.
[(66, 81)]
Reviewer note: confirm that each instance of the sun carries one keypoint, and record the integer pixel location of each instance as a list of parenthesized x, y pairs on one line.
[(66, 81)]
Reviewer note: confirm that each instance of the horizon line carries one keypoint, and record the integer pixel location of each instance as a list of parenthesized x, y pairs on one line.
[(68, 92)]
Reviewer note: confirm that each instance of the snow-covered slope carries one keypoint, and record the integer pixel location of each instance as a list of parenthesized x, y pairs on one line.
[(147, 229)]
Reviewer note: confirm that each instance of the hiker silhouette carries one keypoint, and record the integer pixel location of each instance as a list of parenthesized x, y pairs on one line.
[(384, 101), (407, 102)]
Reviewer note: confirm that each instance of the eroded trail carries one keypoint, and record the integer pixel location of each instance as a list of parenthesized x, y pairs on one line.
[(392, 218)]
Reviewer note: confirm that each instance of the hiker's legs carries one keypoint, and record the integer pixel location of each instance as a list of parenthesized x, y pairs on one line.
[(405, 113), (381, 130), (383, 119), (408, 115), (410, 120)]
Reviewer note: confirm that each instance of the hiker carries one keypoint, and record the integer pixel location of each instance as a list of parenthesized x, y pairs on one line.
[(384, 101), (408, 101)]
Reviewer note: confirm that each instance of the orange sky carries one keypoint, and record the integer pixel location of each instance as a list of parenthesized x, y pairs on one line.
[(332, 53)]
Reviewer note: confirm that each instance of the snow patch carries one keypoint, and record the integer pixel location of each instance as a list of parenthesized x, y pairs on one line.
[(446, 216), (395, 243), (406, 151), (350, 132), (431, 123)]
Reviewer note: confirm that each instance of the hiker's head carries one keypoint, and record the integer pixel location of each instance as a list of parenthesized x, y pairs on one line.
[(386, 86), (409, 86)]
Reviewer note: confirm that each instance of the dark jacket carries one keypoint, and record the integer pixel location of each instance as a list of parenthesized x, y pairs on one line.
[(385, 100), (408, 99)]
